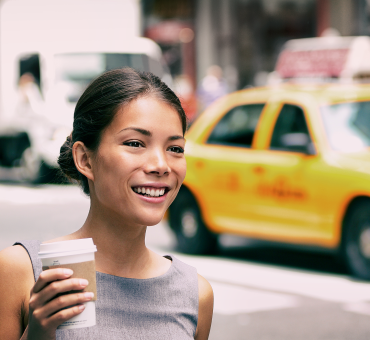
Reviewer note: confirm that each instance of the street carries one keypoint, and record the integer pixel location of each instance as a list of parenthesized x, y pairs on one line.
[(261, 292)]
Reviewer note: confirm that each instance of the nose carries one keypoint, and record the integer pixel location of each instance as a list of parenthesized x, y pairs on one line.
[(157, 163)]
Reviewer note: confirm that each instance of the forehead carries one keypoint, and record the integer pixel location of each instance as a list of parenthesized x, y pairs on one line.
[(148, 112)]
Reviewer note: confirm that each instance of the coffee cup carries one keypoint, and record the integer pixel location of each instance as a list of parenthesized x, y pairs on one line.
[(78, 255)]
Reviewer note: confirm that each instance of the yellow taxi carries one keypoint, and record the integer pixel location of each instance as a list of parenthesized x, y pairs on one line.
[(289, 164)]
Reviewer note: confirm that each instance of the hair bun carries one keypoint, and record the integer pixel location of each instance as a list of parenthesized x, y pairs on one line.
[(66, 162)]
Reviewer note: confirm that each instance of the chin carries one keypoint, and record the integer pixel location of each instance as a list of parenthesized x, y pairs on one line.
[(152, 219)]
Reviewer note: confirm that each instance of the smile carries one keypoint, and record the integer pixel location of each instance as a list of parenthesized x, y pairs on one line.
[(149, 192)]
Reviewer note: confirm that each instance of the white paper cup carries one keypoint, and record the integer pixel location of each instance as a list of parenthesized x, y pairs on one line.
[(79, 255)]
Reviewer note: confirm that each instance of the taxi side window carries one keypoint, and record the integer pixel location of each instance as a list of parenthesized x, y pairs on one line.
[(291, 131), (237, 127)]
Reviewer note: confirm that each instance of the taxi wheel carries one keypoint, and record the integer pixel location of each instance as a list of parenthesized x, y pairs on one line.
[(357, 241), (192, 235)]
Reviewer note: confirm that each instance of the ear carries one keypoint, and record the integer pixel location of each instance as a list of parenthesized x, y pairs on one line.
[(83, 159)]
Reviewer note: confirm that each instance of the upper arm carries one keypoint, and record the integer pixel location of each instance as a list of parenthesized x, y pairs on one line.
[(205, 311), (16, 280)]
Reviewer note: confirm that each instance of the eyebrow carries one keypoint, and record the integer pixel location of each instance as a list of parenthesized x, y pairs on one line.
[(149, 134), (142, 131)]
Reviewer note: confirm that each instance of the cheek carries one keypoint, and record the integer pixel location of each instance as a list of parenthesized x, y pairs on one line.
[(109, 172), (118, 163), (180, 169)]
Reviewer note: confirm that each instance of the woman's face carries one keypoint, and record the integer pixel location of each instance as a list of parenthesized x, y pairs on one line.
[(140, 163)]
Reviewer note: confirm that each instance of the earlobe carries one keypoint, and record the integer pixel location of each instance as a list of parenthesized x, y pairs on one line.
[(82, 158)]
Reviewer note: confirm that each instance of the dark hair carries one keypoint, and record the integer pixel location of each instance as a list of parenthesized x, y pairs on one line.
[(98, 105)]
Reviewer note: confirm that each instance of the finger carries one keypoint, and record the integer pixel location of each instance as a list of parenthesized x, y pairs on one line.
[(64, 315), (59, 287), (63, 302), (51, 275)]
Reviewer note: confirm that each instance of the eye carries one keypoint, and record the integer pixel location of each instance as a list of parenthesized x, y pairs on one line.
[(176, 149), (133, 144)]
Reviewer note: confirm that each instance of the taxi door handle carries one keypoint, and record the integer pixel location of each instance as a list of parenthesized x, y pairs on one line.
[(258, 170)]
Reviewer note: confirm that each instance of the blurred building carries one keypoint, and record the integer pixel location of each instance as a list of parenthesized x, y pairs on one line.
[(243, 37)]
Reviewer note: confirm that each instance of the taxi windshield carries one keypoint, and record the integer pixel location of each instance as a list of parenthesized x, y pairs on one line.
[(347, 125)]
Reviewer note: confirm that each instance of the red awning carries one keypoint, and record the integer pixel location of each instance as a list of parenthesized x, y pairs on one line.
[(167, 32)]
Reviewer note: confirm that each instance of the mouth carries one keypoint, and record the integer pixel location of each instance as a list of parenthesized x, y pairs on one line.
[(150, 191)]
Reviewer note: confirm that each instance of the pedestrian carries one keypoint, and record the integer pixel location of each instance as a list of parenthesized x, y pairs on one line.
[(127, 153), (212, 87)]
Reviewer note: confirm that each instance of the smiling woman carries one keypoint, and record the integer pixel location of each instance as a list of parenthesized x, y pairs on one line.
[(127, 152)]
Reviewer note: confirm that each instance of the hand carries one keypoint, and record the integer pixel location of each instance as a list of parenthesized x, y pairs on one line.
[(48, 309)]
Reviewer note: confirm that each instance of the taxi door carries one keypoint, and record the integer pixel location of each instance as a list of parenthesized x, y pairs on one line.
[(284, 202), (221, 170)]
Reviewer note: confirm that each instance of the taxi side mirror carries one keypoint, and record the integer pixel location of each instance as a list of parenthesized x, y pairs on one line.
[(298, 142)]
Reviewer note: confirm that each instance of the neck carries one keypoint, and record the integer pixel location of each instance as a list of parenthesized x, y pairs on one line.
[(121, 247)]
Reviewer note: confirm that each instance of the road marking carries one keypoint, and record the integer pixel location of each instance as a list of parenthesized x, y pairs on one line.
[(231, 300), (48, 194)]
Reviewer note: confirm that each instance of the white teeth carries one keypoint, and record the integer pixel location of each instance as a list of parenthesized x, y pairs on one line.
[(150, 192)]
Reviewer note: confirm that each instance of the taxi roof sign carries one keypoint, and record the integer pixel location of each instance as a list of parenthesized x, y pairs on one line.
[(325, 57)]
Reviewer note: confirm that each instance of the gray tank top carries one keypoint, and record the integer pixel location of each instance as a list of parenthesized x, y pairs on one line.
[(163, 307)]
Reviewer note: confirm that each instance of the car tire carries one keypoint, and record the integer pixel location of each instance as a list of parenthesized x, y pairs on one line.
[(34, 170), (356, 247), (186, 221), (48, 175), (30, 166)]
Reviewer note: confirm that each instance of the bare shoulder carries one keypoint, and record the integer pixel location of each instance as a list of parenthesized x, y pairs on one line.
[(205, 290), (205, 311), (15, 270), (15, 260), (16, 280)]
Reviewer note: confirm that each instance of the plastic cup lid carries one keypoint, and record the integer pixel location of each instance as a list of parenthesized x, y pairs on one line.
[(64, 248)]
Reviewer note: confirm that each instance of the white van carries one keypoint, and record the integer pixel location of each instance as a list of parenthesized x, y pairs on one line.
[(45, 69)]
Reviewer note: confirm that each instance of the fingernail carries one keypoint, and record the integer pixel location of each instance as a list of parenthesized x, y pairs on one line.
[(89, 295), (84, 282), (68, 272), (81, 307)]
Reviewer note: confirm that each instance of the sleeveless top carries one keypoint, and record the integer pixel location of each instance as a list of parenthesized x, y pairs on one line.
[(158, 308)]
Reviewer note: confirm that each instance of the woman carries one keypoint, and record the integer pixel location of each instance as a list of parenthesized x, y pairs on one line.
[(127, 152)]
